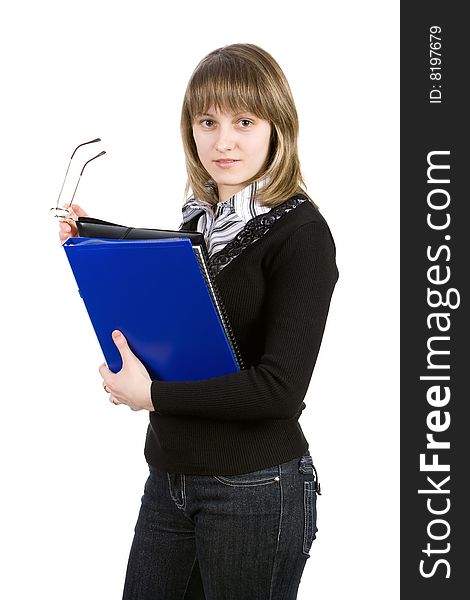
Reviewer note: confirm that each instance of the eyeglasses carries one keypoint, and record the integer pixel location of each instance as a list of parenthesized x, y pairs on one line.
[(65, 212)]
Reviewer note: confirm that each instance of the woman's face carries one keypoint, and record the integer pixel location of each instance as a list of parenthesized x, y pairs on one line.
[(232, 147)]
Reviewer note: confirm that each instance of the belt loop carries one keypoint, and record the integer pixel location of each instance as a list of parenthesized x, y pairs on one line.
[(307, 467)]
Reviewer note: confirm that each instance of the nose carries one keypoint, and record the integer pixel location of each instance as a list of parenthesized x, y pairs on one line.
[(225, 139)]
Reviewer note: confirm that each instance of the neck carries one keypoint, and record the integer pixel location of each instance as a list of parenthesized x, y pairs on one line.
[(226, 192)]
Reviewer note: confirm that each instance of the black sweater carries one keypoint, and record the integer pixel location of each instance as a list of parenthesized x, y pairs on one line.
[(276, 289)]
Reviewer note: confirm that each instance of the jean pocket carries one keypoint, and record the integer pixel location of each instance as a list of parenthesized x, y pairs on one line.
[(310, 515), (263, 477)]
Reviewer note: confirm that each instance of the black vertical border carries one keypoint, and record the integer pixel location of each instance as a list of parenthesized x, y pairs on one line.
[(428, 127)]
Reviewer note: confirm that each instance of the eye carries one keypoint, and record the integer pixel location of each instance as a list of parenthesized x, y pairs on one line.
[(245, 123), (207, 123)]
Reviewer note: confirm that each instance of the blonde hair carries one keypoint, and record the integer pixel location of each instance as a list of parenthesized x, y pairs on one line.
[(244, 77)]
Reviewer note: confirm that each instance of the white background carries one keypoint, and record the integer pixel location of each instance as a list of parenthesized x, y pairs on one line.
[(72, 469)]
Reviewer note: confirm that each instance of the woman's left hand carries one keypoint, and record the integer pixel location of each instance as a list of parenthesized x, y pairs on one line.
[(131, 385)]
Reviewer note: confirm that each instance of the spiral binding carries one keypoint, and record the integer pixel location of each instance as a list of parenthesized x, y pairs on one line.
[(203, 260)]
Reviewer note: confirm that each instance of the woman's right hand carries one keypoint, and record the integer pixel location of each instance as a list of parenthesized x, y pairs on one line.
[(68, 227)]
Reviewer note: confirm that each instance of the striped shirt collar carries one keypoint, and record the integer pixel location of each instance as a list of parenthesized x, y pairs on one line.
[(221, 225), (243, 203)]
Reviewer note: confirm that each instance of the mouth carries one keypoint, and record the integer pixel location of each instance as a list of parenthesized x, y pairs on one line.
[(226, 163)]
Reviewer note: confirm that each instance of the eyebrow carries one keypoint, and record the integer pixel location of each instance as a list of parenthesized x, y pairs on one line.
[(207, 114)]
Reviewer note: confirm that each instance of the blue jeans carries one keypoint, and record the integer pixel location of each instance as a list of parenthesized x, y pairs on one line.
[(238, 537)]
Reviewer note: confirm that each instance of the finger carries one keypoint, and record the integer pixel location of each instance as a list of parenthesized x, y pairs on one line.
[(67, 229), (64, 236), (78, 210), (105, 373)]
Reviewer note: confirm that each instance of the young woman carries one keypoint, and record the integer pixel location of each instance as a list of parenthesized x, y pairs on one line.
[(230, 501)]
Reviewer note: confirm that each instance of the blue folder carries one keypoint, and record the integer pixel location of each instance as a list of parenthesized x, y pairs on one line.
[(159, 293)]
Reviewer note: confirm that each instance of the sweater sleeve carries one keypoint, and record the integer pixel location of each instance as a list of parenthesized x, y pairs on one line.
[(303, 276)]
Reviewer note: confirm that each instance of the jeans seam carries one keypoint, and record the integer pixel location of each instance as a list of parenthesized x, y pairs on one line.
[(190, 574), (183, 492), (306, 509), (281, 514), (309, 492)]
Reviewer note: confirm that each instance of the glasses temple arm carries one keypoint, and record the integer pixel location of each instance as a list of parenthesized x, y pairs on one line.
[(81, 173), (84, 144), (68, 167)]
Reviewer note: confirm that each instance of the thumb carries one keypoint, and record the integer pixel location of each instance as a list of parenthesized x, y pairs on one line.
[(122, 345)]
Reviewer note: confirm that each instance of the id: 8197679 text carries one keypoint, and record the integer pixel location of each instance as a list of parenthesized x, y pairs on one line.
[(435, 64)]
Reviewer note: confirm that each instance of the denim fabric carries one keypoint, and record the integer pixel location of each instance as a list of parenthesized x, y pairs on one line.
[(240, 537)]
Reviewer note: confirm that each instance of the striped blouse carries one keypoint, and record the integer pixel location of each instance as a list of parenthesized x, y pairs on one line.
[(221, 225)]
